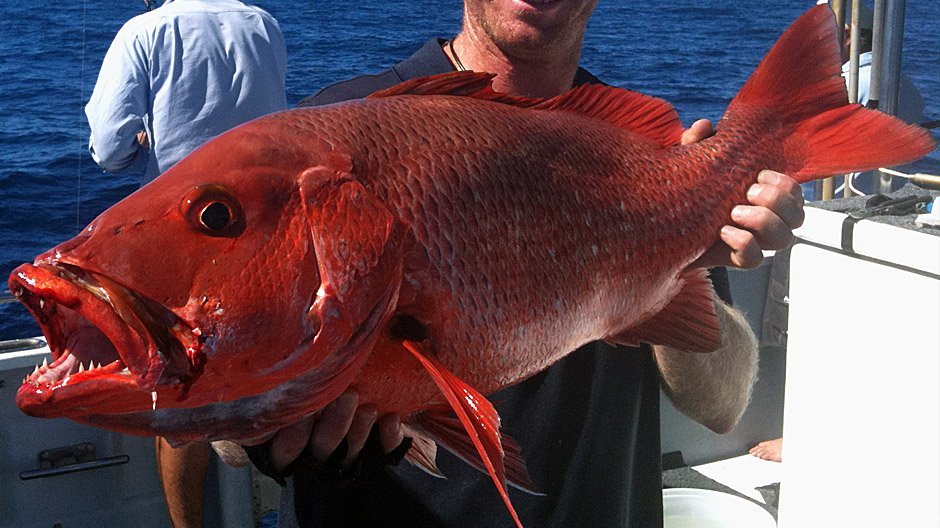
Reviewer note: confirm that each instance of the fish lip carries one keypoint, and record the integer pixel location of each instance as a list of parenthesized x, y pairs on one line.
[(149, 345)]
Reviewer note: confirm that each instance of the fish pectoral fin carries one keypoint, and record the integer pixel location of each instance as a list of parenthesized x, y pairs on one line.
[(689, 322), (476, 415), (445, 429)]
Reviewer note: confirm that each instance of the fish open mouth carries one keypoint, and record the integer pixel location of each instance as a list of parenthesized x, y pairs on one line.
[(105, 340)]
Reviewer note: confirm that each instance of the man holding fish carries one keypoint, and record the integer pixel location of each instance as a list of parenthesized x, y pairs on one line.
[(347, 282), (589, 426)]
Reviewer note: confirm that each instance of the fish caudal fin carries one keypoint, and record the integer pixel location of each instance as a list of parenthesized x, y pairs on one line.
[(477, 416), (798, 88)]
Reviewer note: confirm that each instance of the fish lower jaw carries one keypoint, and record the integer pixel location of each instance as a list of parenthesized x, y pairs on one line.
[(67, 369), (97, 329)]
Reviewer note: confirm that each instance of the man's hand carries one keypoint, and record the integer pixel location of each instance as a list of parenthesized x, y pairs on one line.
[(323, 432), (775, 210)]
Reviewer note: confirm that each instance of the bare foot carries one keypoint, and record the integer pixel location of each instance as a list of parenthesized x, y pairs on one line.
[(769, 450)]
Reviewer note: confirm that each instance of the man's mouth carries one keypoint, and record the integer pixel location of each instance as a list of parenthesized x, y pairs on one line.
[(535, 4), (105, 340)]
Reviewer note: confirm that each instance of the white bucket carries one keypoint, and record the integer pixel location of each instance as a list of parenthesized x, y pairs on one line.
[(701, 508)]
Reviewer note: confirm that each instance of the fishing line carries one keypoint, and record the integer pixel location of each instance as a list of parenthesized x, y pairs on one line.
[(81, 101)]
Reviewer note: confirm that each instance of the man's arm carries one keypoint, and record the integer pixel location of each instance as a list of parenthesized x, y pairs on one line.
[(119, 103), (713, 389)]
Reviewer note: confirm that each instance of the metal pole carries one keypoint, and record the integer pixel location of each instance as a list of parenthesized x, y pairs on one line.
[(838, 7), (854, 52), (891, 69), (877, 41)]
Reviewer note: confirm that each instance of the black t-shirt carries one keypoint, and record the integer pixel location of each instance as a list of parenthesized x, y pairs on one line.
[(588, 427)]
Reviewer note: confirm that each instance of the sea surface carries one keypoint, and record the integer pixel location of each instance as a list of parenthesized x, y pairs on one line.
[(694, 53)]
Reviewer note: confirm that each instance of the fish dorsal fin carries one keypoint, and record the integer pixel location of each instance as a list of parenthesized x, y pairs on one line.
[(689, 322), (641, 114), (463, 83), (644, 115), (477, 416)]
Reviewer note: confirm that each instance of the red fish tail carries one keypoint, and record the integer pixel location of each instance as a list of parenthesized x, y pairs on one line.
[(798, 91)]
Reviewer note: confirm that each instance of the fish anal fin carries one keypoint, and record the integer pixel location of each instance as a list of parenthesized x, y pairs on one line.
[(689, 322), (478, 417)]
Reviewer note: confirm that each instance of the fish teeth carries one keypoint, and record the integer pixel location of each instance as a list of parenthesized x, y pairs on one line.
[(36, 370), (45, 363), (42, 304), (81, 367)]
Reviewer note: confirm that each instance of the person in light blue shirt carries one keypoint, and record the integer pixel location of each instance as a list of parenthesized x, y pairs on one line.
[(172, 79), (180, 75)]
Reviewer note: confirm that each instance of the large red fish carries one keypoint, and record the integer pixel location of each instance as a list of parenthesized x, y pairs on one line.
[(430, 243)]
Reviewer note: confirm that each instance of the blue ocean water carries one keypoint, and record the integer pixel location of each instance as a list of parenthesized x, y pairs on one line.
[(694, 53)]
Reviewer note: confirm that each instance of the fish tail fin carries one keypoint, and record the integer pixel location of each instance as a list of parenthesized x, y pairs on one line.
[(798, 90)]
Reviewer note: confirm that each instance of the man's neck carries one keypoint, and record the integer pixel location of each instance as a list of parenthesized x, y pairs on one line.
[(543, 78)]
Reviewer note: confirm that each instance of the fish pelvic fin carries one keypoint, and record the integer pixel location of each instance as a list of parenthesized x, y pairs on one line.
[(478, 418), (641, 114), (440, 426), (798, 89), (423, 452), (689, 322)]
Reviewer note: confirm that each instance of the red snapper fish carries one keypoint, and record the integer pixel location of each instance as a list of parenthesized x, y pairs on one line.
[(429, 244)]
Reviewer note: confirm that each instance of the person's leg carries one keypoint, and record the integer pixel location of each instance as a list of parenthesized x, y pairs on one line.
[(769, 450), (182, 472)]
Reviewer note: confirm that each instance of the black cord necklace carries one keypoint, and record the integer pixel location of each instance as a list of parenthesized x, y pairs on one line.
[(457, 63)]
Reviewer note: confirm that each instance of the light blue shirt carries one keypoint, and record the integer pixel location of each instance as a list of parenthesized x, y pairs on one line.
[(184, 73)]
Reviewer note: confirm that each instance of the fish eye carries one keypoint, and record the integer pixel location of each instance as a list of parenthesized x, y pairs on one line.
[(215, 216), (213, 210)]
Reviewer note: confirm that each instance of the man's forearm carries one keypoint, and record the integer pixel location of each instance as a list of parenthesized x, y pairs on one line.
[(713, 389)]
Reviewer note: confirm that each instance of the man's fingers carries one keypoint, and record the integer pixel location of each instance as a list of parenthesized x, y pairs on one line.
[(699, 130), (780, 194), (745, 251), (359, 431), (391, 433), (333, 424), (768, 230), (289, 442)]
